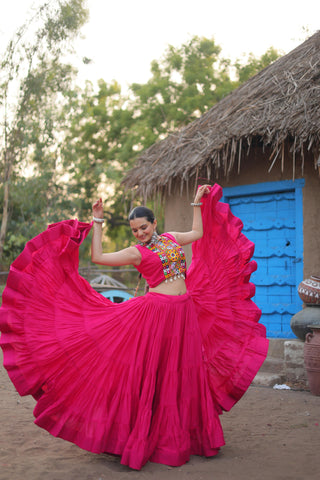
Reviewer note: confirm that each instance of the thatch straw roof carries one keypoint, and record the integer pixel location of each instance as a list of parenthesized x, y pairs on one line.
[(280, 105)]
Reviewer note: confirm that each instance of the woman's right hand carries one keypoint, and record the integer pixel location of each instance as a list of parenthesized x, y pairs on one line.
[(202, 190), (97, 209)]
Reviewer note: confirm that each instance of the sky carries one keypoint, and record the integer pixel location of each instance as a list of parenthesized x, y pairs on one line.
[(122, 37)]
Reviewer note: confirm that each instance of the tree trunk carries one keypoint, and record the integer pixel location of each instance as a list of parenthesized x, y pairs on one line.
[(4, 223)]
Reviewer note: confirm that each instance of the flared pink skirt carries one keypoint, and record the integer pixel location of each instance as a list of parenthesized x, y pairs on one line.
[(145, 379)]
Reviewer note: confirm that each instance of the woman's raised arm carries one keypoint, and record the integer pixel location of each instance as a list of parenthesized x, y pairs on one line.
[(127, 256), (183, 238)]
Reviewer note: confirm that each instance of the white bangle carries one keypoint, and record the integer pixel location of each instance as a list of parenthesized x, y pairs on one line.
[(98, 220), (196, 204)]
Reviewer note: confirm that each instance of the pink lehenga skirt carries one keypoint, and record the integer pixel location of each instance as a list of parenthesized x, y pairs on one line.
[(145, 379)]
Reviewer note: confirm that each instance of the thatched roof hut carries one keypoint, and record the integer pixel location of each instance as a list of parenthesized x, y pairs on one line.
[(277, 109), (262, 145)]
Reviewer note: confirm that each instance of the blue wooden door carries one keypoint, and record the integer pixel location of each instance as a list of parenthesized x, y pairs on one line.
[(272, 218)]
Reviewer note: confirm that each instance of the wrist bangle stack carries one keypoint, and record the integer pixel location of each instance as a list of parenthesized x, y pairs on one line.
[(196, 204), (98, 220)]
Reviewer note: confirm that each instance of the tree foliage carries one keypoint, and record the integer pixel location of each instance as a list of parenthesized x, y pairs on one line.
[(254, 65), (109, 130), (32, 82), (80, 142)]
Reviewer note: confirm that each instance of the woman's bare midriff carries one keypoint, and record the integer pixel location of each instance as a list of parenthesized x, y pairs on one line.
[(176, 287)]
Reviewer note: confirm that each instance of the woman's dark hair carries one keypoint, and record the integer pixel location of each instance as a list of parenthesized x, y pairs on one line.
[(140, 212)]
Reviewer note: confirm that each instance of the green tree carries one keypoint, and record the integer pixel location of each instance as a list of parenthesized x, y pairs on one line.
[(94, 152), (253, 65), (33, 79), (187, 82), (109, 130), (184, 84)]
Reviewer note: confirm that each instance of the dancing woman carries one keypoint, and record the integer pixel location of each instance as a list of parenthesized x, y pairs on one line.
[(148, 378)]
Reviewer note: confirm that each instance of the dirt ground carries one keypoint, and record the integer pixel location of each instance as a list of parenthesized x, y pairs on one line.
[(270, 434)]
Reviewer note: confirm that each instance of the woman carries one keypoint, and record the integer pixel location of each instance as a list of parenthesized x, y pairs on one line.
[(143, 226), (148, 378)]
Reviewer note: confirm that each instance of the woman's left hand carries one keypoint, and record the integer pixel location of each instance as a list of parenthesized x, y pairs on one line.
[(203, 190)]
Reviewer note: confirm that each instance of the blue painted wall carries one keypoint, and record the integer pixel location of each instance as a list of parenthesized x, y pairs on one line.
[(273, 219)]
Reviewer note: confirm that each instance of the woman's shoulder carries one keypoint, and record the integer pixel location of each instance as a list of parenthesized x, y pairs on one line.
[(169, 235), (134, 253)]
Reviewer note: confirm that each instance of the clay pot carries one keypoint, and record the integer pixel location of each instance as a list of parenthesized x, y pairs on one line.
[(312, 359), (309, 290), (301, 323)]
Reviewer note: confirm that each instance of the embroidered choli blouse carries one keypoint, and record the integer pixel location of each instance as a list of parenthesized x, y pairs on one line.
[(162, 261)]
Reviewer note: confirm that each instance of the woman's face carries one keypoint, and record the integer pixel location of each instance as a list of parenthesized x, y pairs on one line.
[(142, 229)]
